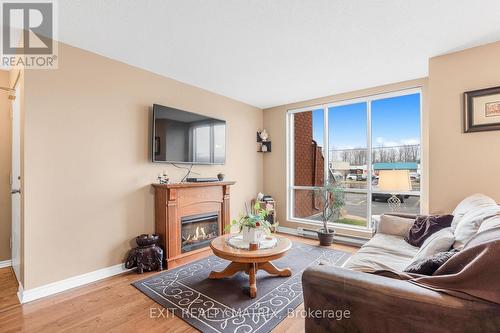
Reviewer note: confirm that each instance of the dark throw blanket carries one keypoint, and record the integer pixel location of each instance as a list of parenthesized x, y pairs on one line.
[(425, 226), (470, 274)]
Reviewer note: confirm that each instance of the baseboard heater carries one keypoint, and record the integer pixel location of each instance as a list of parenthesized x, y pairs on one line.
[(340, 239)]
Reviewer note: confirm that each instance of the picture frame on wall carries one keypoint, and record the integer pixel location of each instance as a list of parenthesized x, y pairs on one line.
[(482, 110)]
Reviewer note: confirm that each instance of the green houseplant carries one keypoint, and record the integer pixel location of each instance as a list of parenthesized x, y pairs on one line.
[(253, 224), (331, 199)]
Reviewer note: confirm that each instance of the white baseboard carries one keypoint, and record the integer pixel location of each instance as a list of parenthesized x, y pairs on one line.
[(5, 263), (72, 282)]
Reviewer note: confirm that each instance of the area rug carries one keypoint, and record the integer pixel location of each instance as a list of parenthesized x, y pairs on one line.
[(224, 305)]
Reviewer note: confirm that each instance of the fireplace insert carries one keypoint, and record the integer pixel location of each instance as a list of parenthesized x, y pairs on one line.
[(197, 231)]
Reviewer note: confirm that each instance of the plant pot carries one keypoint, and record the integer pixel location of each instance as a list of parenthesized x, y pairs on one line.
[(325, 238), (251, 235)]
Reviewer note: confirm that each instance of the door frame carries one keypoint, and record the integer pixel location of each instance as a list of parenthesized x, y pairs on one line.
[(16, 198)]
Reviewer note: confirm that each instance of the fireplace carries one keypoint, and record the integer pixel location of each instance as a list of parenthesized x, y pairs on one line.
[(188, 216), (197, 231)]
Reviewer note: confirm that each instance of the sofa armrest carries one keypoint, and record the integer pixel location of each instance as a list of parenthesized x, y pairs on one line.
[(380, 304), (394, 225)]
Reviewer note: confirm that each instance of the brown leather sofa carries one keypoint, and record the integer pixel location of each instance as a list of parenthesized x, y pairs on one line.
[(340, 299), (382, 304)]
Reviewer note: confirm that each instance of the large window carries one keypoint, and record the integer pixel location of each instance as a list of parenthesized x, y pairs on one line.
[(371, 146)]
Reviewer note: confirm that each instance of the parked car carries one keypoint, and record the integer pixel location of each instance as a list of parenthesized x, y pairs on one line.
[(352, 176)]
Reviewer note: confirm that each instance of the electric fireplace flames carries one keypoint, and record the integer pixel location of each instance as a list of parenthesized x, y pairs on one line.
[(197, 231)]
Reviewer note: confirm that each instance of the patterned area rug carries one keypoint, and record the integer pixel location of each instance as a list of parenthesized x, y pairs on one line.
[(224, 305)]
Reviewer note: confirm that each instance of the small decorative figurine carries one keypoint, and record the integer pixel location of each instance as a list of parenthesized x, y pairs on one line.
[(263, 135), (147, 256), (163, 178)]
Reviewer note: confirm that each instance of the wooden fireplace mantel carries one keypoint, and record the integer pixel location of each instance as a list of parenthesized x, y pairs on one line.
[(174, 201)]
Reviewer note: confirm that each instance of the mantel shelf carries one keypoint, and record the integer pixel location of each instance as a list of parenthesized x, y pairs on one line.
[(193, 184)]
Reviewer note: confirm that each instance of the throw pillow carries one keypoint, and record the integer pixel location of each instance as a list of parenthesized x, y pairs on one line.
[(470, 223), (490, 223), (471, 202), (394, 225), (424, 226), (427, 266), (439, 241)]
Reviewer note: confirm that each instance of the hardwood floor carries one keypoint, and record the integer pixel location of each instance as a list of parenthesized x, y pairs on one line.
[(109, 305)]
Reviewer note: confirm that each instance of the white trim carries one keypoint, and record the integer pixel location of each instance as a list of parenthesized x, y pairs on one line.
[(5, 263), (369, 165), (72, 282), (306, 109), (360, 99), (339, 239), (289, 164), (342, 228), (20, 291)]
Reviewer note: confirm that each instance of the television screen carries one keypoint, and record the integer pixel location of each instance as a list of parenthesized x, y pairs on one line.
[(186, 137)]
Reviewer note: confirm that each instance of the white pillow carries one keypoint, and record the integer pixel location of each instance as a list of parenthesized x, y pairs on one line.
[(471, 202), (440, 241), (394, 225), (490, 223), (469, 224)]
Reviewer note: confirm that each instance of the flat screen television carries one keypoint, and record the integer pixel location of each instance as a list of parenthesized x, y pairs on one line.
[(185, 137)]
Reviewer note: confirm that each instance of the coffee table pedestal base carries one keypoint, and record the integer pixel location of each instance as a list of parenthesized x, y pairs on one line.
[(250, 269)]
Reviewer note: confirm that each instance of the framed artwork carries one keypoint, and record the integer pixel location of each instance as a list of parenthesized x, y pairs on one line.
[(482, 110)]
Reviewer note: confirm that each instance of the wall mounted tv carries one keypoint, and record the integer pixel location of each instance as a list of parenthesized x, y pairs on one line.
[(186, 137)]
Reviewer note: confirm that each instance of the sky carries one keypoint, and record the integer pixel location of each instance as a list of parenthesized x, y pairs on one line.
[(395, 121)]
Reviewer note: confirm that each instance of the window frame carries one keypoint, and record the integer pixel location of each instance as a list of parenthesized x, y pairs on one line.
[(290, 154)]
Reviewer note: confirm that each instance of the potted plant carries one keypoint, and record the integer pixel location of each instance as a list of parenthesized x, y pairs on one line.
[(331, 199), (253, 224)]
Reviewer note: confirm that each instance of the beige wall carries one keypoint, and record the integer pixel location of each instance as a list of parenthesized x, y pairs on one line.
[(275, 124), (5, 167), (461, 164), (87, 164)]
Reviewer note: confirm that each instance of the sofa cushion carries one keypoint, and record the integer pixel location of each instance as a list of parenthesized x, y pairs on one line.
[(382, 252), (394, 225), (474, 201), (470, 222), (440, 241)]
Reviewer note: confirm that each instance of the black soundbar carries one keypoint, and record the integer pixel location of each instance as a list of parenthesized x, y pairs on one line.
[(201, 180)]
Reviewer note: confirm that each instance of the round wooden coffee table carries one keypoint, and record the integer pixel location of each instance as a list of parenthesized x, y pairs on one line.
[(250, 261)]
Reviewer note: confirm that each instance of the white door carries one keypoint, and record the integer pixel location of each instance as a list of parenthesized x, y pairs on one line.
[(16, 184)]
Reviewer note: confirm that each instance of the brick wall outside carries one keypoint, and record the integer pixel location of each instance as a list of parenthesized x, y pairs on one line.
[(308, 165)]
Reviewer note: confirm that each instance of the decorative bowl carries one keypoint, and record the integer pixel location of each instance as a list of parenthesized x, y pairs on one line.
[(147, 240)]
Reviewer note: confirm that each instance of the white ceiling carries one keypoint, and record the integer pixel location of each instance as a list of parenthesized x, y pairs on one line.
[(273, 52)]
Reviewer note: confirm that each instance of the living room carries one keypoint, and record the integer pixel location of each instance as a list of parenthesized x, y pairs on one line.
[(250, 166)]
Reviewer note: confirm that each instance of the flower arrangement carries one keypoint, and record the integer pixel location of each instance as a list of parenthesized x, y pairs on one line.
[(253, 221)]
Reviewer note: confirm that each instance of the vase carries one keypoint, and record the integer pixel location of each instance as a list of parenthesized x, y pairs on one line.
[(251, 235)]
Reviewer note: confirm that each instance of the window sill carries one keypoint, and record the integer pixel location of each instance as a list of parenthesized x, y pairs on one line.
[(342, 230)]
